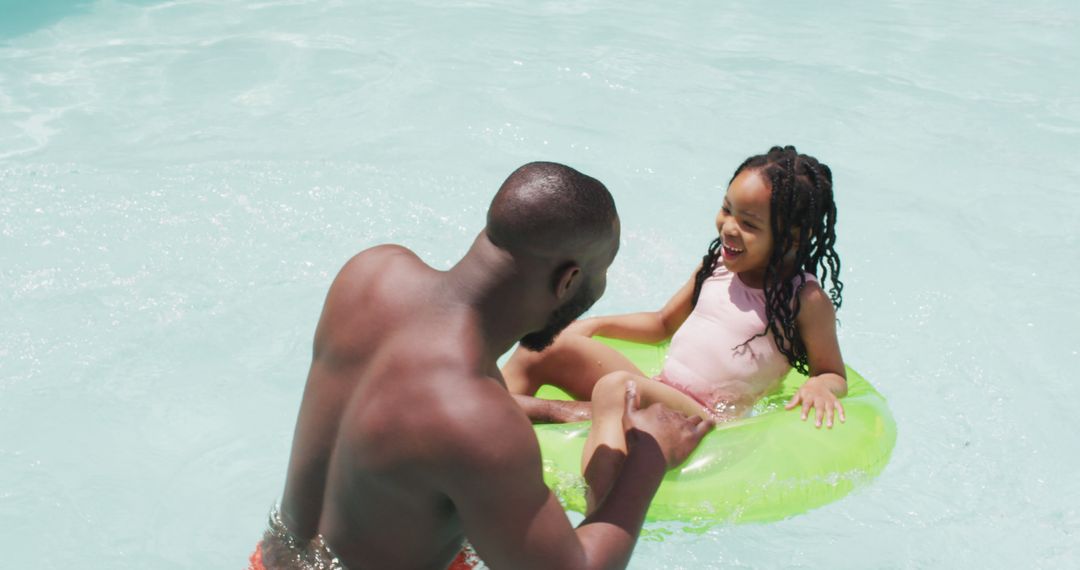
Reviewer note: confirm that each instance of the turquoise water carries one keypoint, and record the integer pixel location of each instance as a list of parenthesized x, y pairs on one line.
[(179, 181)]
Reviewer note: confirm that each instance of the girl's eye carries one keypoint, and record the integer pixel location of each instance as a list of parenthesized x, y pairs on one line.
[(751, 226), (725, 210)]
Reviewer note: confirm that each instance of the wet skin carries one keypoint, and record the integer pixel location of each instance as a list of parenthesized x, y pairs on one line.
[(407, 439)]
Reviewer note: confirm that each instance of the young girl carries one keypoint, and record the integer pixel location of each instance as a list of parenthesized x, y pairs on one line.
[(753, 310)]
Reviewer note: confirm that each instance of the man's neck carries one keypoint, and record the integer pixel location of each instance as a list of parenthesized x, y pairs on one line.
[(489, 280)]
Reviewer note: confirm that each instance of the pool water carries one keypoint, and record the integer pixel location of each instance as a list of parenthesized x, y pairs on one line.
[(180, 180)]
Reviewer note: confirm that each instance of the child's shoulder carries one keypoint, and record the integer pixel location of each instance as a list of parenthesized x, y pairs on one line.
[(803, 282), (813, 299)]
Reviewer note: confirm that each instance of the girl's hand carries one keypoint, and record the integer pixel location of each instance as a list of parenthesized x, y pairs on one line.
[(815, 393)]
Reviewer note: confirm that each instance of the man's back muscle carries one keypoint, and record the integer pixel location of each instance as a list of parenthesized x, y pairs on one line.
[(356, 474)]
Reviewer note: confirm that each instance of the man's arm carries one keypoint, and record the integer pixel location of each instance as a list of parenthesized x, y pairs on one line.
[(514, 521)]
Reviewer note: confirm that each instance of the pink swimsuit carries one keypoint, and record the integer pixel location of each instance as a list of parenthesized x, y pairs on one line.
[(708, 360)]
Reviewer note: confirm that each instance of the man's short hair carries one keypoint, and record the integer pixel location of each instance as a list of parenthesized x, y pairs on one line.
[(544, 207)]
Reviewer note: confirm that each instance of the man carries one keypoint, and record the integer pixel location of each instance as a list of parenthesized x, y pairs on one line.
[(407, 440)]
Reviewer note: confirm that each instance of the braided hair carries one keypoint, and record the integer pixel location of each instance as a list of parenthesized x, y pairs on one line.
[(801, 204)]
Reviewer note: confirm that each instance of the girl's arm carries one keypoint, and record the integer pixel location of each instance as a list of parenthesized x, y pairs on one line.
[(650, 327), (828, 379)]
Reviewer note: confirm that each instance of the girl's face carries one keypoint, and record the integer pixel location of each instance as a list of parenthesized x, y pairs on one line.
[(743, 223)]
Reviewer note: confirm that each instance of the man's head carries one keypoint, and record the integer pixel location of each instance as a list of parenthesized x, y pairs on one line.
[(562, 227)]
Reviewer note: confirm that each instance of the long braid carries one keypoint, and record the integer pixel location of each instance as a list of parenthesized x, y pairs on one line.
[(708, 263), (781, 299), (801, 200)]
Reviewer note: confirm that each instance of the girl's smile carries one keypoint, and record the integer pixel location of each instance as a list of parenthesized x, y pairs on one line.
[(744, 228), (730, 253)]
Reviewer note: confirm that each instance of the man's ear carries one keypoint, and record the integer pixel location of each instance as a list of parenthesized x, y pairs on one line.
[(566, 280)]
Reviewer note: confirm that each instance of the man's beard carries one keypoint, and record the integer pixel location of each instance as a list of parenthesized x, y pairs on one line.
[(560, 319)]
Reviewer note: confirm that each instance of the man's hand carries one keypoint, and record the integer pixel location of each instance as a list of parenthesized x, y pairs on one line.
[(676, 435)]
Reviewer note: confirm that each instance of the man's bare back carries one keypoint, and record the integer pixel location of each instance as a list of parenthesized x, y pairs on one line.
[(407, 439), (370, 403)]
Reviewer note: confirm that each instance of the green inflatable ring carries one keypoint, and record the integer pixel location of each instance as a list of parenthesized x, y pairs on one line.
[(766, 467)]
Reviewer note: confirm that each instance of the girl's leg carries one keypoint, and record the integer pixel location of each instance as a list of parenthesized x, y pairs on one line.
[(574, 363), (605, 448)]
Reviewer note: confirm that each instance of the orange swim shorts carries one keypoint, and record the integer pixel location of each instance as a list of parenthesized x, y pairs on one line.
[(255, 561)]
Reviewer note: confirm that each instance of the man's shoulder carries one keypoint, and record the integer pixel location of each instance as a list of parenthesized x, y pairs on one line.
[(373, 266), (384, 250), (452, 430), (372, 293), (484, 424), (374, 260)]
